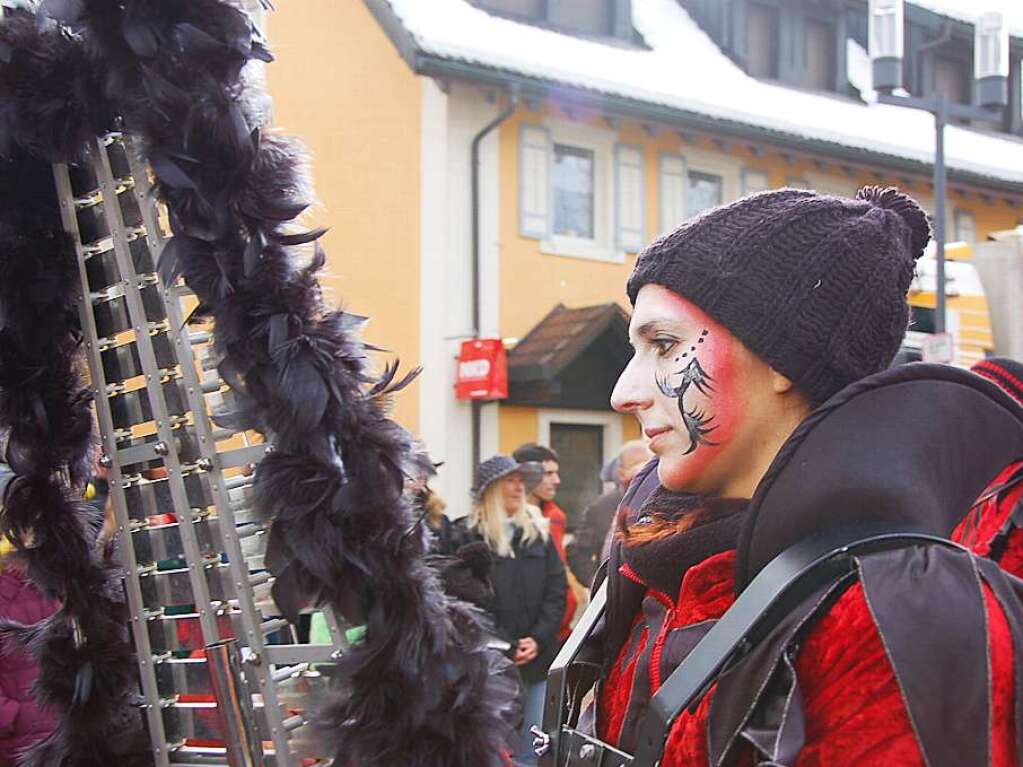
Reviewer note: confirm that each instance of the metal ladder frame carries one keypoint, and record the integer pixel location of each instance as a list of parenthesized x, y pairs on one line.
[(259, 657)]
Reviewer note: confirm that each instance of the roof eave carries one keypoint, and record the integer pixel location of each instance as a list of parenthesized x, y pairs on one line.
[(429, 65), (434, 66)]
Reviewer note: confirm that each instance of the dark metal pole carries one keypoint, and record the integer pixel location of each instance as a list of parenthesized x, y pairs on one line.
[(940, 118), (234, 706), (474, 172)]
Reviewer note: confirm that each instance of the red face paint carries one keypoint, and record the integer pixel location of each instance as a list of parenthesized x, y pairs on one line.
[(682, 385)]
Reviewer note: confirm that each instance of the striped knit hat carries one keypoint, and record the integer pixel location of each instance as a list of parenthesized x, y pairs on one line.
[(1005, 372), (814, 285)]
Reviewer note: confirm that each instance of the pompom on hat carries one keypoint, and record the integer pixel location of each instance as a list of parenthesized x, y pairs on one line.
[(813, 284), (497, 466)]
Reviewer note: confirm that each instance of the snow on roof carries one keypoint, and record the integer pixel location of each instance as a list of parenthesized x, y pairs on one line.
[(970, 10), (684, 69)]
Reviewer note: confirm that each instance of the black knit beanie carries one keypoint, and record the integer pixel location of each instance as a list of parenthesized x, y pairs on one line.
[(814, 285)]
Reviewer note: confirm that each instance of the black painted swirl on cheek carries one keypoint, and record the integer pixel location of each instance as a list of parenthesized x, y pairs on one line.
[(697, 422)]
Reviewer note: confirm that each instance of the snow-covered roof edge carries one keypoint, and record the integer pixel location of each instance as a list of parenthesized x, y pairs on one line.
[(433, 56)]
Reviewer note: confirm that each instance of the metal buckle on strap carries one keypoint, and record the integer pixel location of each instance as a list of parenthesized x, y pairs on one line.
[(582, 750)]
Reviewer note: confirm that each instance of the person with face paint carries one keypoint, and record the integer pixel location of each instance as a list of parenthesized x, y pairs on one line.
[(746, 321)]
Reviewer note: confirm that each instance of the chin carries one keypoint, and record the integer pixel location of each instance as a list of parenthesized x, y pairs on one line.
[(673, 475)]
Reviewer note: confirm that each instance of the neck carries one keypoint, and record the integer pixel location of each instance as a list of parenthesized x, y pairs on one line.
[(536, 501), (510, 510)]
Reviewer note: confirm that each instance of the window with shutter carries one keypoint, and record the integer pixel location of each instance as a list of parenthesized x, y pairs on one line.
[(629, 197), (570, 182), (703, 191), (762, 30), (965, 224), (534, 184), (673, 192), (821, 55), (573, 191)]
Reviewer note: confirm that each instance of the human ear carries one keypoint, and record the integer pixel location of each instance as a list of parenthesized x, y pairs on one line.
[(779, 383)]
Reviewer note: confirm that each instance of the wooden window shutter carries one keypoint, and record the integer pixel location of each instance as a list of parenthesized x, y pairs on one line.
[(673, 192), (534, 181), (629, 198)]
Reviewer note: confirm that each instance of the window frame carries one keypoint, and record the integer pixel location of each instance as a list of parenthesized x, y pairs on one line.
[(744, 188), (730, 170), (703, 162), (573, 149), (706, 175), (831, 26), (791, 40), (958, 215), (601, 142), (775, 44)]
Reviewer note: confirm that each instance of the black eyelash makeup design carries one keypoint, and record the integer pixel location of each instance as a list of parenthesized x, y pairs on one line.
[(697, 422)]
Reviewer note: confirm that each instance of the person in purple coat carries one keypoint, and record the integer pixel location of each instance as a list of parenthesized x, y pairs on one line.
[(22, 722)]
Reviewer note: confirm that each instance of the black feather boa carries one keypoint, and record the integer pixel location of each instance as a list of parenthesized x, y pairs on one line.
[(422, 688), (45, 408)]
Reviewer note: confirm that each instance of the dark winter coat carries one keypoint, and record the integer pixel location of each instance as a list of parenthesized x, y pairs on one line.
[(529, 600), (586, 554), (21, 721)]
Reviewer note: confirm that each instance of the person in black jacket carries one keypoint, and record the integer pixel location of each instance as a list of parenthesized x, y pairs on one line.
[(528, 576), (594, 533)]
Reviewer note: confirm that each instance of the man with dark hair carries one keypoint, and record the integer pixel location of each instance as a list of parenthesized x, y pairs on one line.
[(542, 496)]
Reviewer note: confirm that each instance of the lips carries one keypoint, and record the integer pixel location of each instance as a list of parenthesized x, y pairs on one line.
[(654, 434)]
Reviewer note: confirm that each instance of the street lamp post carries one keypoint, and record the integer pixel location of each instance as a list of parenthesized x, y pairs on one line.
[(991, 92)]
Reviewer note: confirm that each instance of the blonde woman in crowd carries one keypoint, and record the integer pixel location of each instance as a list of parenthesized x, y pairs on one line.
[(528, 577)]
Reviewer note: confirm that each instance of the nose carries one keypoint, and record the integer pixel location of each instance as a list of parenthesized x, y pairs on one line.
[(633, 392)]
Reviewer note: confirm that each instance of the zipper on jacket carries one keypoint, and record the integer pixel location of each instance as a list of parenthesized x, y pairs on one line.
[(662, 635)]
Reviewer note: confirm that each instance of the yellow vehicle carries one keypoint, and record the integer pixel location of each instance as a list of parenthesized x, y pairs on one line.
[(967, 318)]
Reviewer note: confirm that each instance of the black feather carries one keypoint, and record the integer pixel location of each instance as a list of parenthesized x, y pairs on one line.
[(422, 688)]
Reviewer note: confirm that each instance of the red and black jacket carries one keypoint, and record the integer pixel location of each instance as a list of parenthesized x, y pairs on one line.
[(916, 658)]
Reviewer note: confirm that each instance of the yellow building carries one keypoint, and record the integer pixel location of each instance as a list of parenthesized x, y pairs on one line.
[(611, 121)]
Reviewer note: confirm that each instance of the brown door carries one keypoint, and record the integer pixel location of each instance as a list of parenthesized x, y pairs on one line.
[(581, 449)]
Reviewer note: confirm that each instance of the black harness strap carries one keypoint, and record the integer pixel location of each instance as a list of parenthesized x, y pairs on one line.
[(936, 623), (758, 700), (1009, 592)]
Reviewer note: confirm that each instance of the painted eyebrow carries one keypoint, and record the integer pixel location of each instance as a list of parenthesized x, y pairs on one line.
[(650, 328)]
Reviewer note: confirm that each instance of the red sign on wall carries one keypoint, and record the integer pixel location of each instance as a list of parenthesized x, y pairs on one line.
[(482, 370)]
